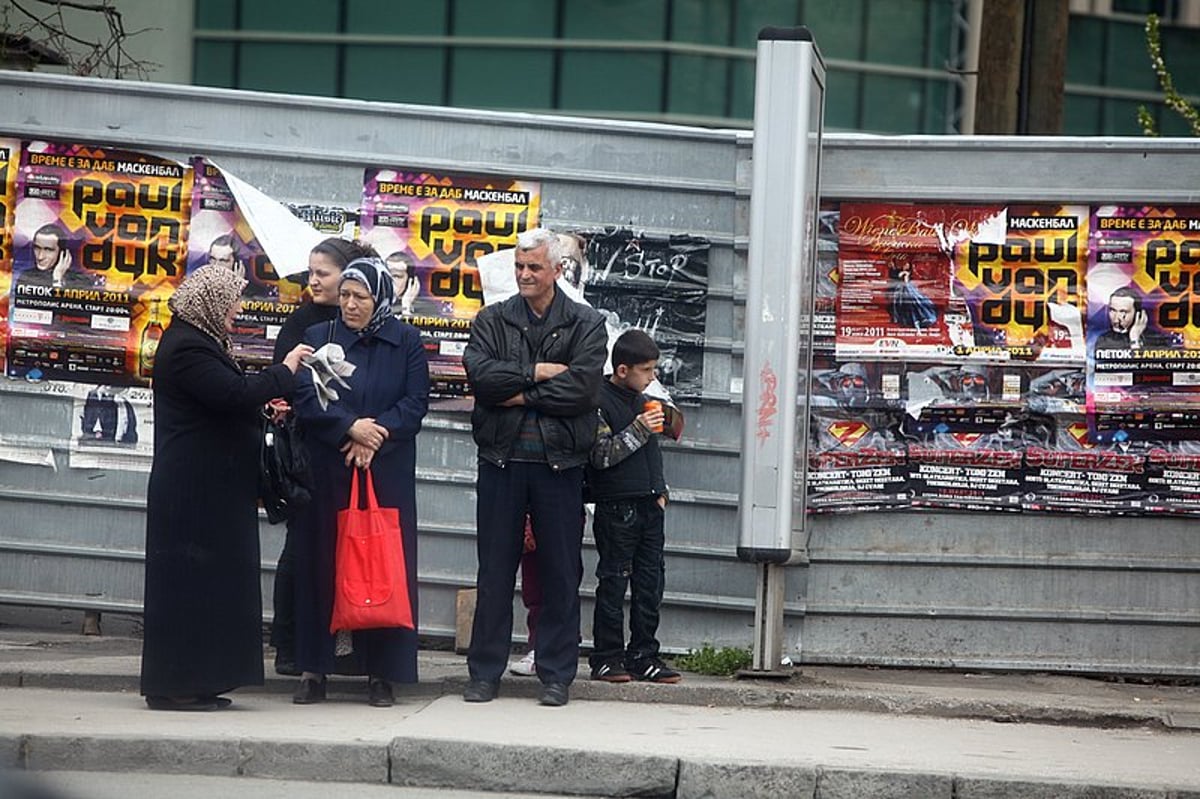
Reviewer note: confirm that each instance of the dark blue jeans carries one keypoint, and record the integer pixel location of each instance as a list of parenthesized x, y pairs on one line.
[(629, 539)]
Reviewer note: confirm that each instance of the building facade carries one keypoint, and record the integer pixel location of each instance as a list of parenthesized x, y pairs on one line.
[(898, 66), (894, 66)]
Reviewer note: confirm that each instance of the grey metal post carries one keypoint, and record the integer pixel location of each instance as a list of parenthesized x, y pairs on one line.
[(788, 120)]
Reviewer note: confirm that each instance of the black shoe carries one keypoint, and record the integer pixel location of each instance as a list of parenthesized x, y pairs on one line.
[(182, 703), (309, 692), (654, 670), (611, 671), (554, 694), (481, 691), (379, 693), (219, 701), (286, 667)]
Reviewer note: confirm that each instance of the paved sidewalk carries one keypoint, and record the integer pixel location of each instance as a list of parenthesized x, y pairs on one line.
[(69, 703), (37, 657)]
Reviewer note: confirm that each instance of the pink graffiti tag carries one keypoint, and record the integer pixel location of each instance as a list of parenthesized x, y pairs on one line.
[(768, 403)]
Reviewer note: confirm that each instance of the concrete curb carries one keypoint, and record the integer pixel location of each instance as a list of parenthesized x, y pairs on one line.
[(316, 761), (439, 763), (462, 765)]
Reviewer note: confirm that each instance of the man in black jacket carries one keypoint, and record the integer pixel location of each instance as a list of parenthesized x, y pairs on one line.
[(535, 365)]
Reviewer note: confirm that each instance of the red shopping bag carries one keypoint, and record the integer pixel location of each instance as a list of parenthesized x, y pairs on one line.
[(370, 579)]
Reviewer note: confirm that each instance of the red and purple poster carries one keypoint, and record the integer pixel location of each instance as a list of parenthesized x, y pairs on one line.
[(99, 244), (10, 156), (1144, 323), (429, 229), (895, 288)]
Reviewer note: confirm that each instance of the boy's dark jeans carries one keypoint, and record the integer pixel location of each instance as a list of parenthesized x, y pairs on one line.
[(629, 539)]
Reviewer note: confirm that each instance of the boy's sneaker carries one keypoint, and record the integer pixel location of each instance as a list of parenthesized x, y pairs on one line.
[(612, 671), (526, 666), (654, 670)]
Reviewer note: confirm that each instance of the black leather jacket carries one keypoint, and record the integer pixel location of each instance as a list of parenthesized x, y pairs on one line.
[(500, 363)]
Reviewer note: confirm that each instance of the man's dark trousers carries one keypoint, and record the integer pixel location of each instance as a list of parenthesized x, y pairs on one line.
[(554, 499)]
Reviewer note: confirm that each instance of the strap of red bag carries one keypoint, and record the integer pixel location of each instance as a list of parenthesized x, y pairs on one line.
[(372, 502), (353, 503)]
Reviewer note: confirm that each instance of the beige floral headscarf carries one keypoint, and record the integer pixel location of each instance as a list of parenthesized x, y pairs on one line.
[(204, 298)]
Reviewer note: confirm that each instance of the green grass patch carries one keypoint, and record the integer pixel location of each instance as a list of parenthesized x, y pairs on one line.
[(723, 662)]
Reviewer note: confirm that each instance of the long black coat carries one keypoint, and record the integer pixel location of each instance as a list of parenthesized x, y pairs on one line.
[(203, 599)]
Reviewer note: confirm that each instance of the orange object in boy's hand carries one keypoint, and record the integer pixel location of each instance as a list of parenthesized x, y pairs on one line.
[(652, 416)]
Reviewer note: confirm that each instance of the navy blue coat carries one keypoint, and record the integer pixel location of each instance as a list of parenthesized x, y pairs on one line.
[(390, 384)]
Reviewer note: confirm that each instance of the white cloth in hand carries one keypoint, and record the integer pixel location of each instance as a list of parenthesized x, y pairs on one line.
[(328, 366)]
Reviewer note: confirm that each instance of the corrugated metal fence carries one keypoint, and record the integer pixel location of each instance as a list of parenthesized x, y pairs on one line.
[(999, 591)]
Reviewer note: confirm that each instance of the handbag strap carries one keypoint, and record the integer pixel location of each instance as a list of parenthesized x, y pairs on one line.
[(372, 502)]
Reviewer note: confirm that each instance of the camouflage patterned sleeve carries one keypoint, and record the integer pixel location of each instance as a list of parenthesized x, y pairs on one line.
[(612, 448)]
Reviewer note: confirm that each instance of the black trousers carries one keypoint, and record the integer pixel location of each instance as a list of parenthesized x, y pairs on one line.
[(629, 540), (554, 499)]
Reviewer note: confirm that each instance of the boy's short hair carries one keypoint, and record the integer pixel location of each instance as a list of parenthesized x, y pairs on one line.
[(632, 348)]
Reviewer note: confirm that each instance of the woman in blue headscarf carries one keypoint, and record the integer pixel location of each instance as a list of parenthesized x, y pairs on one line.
[(373, 425)]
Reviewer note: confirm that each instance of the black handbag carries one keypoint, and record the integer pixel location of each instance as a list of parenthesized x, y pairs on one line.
[(284, 478)]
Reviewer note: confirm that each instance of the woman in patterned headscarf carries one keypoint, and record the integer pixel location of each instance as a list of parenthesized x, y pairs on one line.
[(203, 604), (373, 425)]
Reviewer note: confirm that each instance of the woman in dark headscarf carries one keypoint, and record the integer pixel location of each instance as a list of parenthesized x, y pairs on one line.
[(203, 603), (325, 265), (371, 425)]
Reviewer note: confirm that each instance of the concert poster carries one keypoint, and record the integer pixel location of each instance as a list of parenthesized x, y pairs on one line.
[(221, 235), (99, 243), (895, 295), (857, 461), (1069, 472), (10, 158), (429, 228), (1144, 324), (1173, 478), (1025, 291)]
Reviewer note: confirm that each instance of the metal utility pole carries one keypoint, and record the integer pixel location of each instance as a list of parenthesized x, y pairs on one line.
[(789, 107)]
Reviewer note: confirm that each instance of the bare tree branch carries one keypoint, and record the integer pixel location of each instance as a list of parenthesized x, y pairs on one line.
[(105, 56)]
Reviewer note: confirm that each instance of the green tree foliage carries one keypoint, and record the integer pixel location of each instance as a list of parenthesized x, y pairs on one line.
[(1171, 96)]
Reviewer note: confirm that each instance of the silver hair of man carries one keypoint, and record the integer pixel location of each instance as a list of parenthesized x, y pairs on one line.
[(541, 237)]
